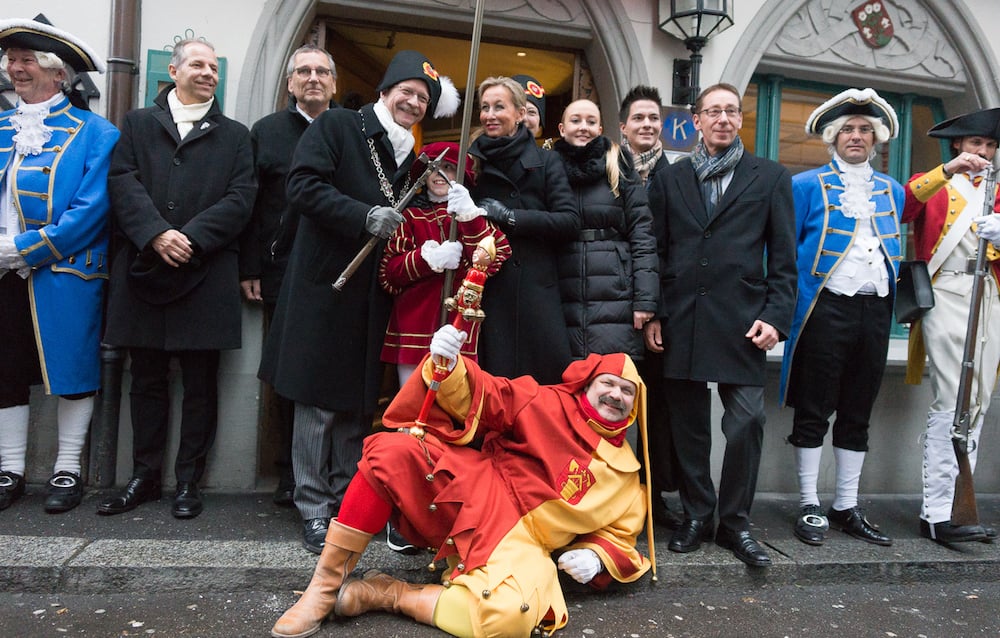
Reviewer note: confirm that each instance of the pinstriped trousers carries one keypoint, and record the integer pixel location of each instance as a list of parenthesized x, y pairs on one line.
[(326, 448)]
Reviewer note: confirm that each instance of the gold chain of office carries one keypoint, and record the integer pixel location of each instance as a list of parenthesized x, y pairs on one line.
[(383, 183)]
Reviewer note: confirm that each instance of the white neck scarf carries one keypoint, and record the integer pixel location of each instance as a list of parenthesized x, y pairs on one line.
[(185, 115), (401, 139), (857, 178), (29, 122)]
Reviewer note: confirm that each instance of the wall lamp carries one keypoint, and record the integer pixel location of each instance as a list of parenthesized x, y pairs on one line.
[(693, 22)]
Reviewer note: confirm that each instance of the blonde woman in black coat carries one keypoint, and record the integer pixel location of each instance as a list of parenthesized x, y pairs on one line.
[(608, 277), (523, 190)]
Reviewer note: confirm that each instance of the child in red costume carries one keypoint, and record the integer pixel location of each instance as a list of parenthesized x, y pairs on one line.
[(416, 256)]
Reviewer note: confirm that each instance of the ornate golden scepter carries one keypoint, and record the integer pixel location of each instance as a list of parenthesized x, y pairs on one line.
[(466, 304)]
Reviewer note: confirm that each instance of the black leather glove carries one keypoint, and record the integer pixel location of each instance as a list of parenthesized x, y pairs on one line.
[(498, 213), (382, 220)]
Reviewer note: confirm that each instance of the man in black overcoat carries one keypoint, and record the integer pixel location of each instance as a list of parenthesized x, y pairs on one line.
[(323, 348), (725, 225), (312, 82), (181, 186)]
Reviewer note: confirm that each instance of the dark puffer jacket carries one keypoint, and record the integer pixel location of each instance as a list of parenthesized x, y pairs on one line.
[(612, 269)]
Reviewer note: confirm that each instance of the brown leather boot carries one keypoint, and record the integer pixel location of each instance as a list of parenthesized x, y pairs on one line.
[(383, 592), (341, 551)]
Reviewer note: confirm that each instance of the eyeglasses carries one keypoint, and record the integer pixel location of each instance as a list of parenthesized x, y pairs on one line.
[(409, 93), (717, 113), (863, 130), (305, 72)]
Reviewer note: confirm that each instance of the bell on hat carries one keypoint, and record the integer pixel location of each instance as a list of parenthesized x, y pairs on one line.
[(22, 33), (853, 102), (985, 123), (413, 65)]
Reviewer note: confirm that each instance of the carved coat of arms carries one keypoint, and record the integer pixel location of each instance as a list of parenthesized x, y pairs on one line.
[(874, 23)]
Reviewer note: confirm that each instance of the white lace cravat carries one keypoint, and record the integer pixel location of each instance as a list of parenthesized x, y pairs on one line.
[(29, 122), (856, 202)]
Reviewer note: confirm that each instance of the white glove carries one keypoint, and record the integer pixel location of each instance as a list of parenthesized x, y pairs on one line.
[(460, 204), (10, 257), (447, 342), (988, 227), (441, 256), (581, 564)]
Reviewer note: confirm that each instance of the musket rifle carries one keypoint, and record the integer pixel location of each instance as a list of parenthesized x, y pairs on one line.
[(432, 166), (963, 508)]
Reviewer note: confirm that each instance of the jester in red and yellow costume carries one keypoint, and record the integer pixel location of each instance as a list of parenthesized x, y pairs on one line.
[(553, 475)]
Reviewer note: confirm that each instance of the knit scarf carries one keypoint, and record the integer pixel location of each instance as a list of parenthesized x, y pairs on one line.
[(711, 170), (185, 115), (584, 164), (402, 139), (502, 151), (644, 162)]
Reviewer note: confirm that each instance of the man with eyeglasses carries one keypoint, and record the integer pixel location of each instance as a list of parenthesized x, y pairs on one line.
[(311, 78), (323, 348), (847, 220), (944, 207), (726, 234)]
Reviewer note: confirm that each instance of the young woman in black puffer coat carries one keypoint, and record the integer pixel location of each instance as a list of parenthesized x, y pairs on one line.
[(608, 277)]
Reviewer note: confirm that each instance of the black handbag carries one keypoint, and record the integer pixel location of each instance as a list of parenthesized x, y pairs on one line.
[(914, 295)]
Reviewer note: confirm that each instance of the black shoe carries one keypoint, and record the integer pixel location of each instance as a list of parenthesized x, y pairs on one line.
[(852, 522), (948, 533), (137, 492), (664, 516), (314, 534), (187, 500), (743, 546), (284, 494), (11, 488), (991, 534), (65, 492), (397, 543), (812, 525), (689, 536)]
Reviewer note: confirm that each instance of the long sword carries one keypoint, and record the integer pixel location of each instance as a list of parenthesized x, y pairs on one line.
[(463, 141)]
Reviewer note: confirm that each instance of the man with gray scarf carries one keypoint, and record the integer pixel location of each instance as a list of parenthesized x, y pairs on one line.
[(725, 228)]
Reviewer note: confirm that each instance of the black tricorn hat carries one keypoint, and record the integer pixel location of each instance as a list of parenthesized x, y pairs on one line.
[(156, 282), (22, 33), (985, 123), (853, 102), (534, 91)]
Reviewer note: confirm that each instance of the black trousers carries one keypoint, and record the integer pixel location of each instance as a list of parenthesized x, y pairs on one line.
[(279, 411), (837, 367), (19, 366), (662, 458), (150, 408), (690, 404)]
